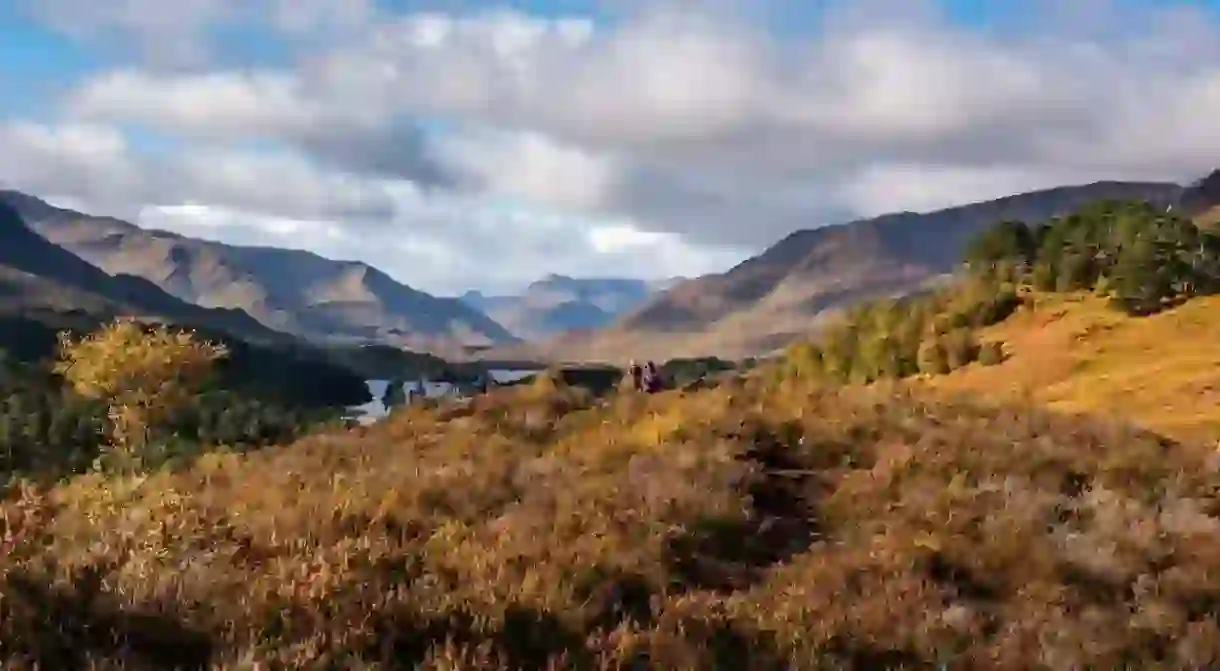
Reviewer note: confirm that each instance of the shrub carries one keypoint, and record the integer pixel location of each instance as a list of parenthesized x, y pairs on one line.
[(144, 375), (961, 348), (933, 358), (991, 353), (743, 528)]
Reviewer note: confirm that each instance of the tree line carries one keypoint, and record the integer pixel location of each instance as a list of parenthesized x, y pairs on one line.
[(1141, 257), (933, 333)]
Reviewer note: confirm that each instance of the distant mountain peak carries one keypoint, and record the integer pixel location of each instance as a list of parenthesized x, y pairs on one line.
[(556, 302)]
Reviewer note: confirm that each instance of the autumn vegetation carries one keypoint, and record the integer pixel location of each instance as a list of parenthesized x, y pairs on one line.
[(827, 511), (129, 393), (1140, 258)]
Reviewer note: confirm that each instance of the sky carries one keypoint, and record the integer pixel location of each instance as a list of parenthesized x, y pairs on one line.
[(471, 145)]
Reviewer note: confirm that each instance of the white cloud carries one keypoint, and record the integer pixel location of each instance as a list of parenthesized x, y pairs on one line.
[(84, 161), (530, 166), (164, 31), (449, 247), (181, 33), (303, 17), (432, 240), (284, 185), (218, 105), (924, 188), (94, 164), (642, 143)]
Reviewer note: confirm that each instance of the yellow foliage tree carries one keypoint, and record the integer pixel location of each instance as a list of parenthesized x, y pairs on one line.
[(143, 374)]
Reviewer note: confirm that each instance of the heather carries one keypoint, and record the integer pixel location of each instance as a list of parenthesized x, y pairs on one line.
[(758, 524)]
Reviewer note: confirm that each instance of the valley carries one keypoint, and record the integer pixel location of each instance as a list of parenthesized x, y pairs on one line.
[(937, 478), (376, 335)]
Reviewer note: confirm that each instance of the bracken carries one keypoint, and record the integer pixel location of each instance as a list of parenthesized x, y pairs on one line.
[(752, 526)]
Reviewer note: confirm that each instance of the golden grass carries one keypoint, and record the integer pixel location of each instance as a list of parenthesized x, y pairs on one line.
[(751, 526), (1074, 354)]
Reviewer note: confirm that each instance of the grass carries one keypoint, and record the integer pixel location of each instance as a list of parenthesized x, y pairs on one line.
[(1074, 354), (750, 526)]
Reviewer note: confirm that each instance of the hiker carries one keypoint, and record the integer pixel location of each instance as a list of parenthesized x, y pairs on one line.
[(637, 382), (652, 378)]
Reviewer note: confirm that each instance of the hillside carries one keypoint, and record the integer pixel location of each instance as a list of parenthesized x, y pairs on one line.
[(1201, 200), (780, 295), (1111, 309), (558, 303), (45, 288), (36, 275), (1072, 353), (853, 529), (292, 291)]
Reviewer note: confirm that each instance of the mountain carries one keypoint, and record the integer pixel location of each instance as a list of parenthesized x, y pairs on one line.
[(45, 288), (38, 275), (1201, 200), (293, 291), (776, 297), (558, 303)]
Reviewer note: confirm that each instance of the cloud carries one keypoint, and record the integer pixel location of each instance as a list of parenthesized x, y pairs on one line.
[(184, 33), (716, 129), (162, 31), (443, 242), (95, 164), (503, 144), (435, 246), (530, 166), (83, 161), (226, 106), (283, 185), (211, 105)]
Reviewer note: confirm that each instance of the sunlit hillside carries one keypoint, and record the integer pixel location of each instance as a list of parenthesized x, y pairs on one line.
[(758, 525), (1074, 354)]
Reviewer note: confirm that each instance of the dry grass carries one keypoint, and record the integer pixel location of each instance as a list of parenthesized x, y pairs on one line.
[(744, 527), (1074, 354)]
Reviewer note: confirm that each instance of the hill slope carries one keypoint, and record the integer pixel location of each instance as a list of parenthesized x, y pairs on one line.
[(38, 275), (289, 290), (45, 288), (1074, 354), (559, 303), (774, 298), (1201, 200), (848, 529)]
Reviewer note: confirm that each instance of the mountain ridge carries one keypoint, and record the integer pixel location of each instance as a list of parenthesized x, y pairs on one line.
[(39, 273), (784, 292), (293, 291)]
